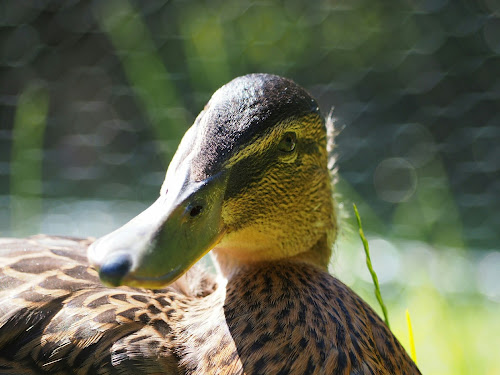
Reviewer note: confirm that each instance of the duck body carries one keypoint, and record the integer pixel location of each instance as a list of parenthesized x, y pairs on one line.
[(300, 320), (56, 317), (250, 182)]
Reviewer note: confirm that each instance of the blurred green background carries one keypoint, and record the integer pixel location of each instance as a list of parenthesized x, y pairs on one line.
[(95, 95)]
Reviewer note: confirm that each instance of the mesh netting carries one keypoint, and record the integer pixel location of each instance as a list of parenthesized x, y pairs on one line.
[(415, 88)]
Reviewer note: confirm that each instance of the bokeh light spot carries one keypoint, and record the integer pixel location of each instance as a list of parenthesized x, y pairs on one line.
[(395, 180)]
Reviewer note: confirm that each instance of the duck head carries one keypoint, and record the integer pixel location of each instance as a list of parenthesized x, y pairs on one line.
[(249, 181)]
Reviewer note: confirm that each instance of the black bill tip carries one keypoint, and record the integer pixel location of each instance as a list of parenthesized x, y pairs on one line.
[(114, 269)]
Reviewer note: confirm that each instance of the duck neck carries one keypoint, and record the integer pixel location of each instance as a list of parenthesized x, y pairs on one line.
[(228, 265)]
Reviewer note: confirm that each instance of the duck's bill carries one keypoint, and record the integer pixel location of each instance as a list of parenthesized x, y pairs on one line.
[(159, 245)]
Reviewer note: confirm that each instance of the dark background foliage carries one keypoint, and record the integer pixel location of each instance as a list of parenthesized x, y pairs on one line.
[(415, 87)]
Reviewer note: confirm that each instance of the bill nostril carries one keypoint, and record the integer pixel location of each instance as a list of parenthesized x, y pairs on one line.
[(195, 211), (114, 269)]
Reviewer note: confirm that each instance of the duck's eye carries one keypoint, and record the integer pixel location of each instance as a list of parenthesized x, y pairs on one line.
[(288, 142)]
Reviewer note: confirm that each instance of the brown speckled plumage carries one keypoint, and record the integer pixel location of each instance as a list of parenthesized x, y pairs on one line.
[(280, 310), (57, 318), (250, 181)]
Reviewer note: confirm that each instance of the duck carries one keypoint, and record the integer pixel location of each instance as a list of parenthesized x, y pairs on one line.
[(251, 184)]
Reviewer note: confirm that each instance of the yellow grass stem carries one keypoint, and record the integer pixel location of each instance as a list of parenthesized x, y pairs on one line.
[(413, 352)]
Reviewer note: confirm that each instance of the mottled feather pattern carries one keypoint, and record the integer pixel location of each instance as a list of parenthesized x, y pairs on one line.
[(283, 310), (57, 318)]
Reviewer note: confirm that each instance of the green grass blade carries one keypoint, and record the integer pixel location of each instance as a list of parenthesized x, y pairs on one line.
[(144, 69), (26, 159), (370, 267)]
